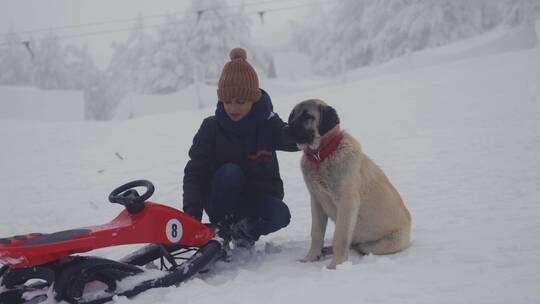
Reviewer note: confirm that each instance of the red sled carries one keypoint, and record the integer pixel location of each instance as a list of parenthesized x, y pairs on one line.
[(36, 262)]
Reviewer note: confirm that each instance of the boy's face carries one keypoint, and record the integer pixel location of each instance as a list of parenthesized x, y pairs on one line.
[(237, 108)]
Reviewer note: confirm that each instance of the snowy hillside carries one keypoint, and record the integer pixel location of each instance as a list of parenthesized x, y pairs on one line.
[(460, 140), (294, 71), (497, 41)]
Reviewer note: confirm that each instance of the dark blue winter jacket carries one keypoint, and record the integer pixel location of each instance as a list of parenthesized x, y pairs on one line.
[(214, 145)]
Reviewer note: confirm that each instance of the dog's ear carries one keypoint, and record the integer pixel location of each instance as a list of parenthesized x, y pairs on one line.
[(328, 119)]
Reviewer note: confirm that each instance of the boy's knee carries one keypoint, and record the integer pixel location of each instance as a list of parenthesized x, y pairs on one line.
[(281, 215), (272, 214), (285, 216)]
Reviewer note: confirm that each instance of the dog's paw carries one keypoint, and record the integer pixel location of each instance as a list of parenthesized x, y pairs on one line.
[(335, 261), (311, 257)]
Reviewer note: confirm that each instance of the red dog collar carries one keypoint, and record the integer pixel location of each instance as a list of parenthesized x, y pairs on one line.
[(329, 143)]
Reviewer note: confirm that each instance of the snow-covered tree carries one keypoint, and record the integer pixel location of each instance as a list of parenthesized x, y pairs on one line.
[(213, 29), (50, 70), (187, 49), (15, 61), (364, 32), (81, 68), (169, 65), (130, 60), (58, 67), (519, 12)]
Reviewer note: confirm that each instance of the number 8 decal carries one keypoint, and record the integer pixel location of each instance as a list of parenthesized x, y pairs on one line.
[(174, 230)]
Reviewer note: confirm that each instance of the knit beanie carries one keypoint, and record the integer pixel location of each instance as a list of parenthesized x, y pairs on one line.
[(238, 79)]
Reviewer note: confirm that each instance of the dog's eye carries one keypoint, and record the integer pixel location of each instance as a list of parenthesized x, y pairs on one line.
[(307, 116)]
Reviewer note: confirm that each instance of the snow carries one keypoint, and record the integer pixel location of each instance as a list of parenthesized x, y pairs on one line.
[(292, 65), (459, 139), (31, 103), (195, 96)]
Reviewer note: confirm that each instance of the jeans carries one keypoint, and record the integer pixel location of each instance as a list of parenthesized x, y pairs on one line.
[(229, 200)]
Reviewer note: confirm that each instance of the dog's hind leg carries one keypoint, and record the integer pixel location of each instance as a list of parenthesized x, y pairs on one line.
[(394, 242)]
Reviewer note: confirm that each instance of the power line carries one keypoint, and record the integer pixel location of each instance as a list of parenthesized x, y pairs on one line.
[(129, 20), (103, 32)]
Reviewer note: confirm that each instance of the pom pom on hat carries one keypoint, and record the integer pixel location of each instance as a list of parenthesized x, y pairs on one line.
[(238, 53)]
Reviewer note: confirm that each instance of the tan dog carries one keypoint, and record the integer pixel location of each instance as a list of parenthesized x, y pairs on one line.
[(346, 186)]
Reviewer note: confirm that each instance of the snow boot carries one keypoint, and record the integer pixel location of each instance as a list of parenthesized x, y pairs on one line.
[(243, 233)]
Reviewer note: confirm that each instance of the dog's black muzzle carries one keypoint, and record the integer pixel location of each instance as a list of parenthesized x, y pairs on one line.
[(300, 134)]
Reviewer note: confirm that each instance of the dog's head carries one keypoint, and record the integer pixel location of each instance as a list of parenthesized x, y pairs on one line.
[(311, 119)]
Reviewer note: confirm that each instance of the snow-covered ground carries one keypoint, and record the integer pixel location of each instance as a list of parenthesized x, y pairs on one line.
[(28, 103), (459, 139)]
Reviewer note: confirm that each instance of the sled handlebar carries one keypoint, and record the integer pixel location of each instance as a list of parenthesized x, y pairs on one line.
[(128, 197)]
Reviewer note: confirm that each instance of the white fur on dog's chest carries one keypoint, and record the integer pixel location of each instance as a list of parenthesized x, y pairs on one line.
[(325, 192)]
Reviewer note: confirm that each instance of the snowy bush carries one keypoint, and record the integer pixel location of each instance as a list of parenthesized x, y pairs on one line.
[(101, 99)]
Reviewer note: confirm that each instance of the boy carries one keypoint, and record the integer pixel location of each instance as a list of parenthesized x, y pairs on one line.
[(233, 171)]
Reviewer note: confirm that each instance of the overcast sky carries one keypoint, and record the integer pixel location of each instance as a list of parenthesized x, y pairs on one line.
[(25, 15)]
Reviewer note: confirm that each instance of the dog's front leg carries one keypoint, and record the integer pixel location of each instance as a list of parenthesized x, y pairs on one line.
[(319, 219), (347, 215)]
